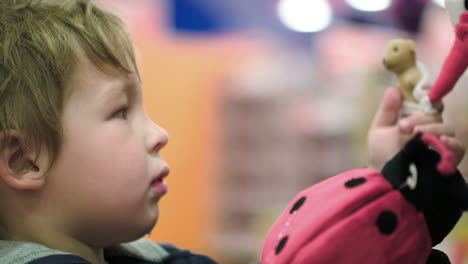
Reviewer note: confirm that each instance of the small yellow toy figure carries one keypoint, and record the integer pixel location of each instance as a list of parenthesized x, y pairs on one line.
[(400, 58)]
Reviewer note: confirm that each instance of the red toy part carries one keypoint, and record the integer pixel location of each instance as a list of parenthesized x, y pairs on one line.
[(455, 64), (354, 217), (446, 165)]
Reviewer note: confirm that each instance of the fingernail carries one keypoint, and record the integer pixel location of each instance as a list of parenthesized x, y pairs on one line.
[(405, 125), (419, 130), (444, 139)]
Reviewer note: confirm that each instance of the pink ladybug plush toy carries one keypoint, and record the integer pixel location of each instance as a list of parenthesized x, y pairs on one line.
[(394, 216)]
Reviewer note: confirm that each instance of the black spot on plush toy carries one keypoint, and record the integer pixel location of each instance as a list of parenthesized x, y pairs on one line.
[(364, 216)]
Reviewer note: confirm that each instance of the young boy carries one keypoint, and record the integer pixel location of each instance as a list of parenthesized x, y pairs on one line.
[(80, 170)]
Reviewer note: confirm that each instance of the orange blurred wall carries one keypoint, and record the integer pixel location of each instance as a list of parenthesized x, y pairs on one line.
[(181, 80)]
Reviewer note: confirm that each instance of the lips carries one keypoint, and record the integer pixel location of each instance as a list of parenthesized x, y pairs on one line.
[(157, 184), (163, 174)]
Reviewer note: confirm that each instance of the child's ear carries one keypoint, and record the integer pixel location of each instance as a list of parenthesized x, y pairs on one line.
[(18, 167)]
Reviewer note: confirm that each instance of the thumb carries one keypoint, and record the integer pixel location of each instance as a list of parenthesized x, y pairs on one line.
[(389, 109)]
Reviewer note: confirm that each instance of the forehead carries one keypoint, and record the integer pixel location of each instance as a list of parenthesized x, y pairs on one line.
[(88, 80)]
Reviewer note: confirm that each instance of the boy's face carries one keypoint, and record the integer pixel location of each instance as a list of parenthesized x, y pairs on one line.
[(105, 183)]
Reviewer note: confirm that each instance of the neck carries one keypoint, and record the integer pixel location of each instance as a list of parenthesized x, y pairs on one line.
[(53, 240), (40, 225)]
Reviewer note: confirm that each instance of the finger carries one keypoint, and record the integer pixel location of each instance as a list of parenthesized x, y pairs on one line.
[(403, 139), (438, 129), (453, 144), (407, 124), (456, 146), (387, 114)]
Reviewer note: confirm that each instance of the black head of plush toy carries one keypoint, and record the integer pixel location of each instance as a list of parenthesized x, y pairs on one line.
[(428, 179)]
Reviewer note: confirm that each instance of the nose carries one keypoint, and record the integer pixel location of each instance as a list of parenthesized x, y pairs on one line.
[(157, 137)]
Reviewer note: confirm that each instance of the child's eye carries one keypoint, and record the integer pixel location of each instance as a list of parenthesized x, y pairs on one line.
[(122, 113)]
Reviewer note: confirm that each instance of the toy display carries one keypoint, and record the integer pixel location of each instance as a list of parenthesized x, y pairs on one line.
[(396, 215)]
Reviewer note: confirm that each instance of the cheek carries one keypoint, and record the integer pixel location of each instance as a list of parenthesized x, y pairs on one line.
[(116, 167), (103, 166)]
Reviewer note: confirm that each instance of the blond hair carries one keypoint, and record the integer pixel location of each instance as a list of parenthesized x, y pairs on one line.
[(38, 44)]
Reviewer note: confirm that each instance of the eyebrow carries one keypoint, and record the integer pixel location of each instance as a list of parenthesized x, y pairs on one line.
[(117, 89)]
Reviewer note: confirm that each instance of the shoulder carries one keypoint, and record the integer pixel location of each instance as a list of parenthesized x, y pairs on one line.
[(60, 259), (140, 251), (152, 252), (12, 252), (180, 256)]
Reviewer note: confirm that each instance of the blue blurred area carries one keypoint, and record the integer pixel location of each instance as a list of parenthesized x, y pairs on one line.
[(217, 16), (194, 16), (408, 15), (207, 17)]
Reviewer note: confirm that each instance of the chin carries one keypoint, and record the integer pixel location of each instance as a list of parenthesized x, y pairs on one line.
[(147, 228), (136, 232)]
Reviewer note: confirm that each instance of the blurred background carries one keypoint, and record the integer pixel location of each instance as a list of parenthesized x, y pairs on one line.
[(263, 98)]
